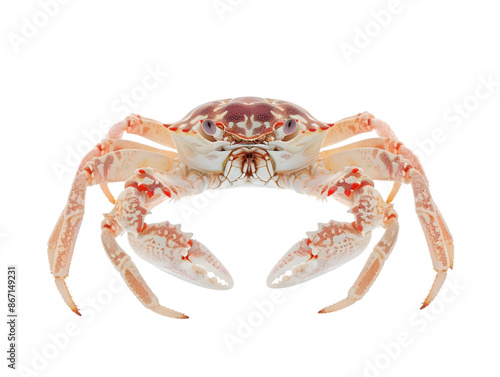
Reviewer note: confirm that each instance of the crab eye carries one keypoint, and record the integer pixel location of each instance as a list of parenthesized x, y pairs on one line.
[(286, 131), (209, 127), (290, 126)]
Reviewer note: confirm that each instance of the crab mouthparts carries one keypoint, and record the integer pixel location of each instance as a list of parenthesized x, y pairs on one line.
[(264, 145), (263, 139), (261, 142)]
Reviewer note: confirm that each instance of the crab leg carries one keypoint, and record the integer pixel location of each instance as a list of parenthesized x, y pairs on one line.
[(373, 265), (383, 165), (121, 260), (119, 144), (112, 167), (348, 127), (112, 145), (108, 145), (137, 125), (384, 143), (145, 127), (366, 122), (358, 124)]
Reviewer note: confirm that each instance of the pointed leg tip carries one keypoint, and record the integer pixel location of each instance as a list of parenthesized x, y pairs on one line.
[(73, 307), (328, 309), (425, 304), (436, 286), (107, 192), (159, 309), (63, 290), (338, 306)]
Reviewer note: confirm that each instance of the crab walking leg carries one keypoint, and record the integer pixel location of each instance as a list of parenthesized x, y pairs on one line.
[(107, 145), (348, 127), (366, 122), (129, 271), (383, 165), (376, 142), (112, 167), (373, 265), (436, 232), (335, 243), (103, 148), (145, 127), (112, 145), (386, 144)]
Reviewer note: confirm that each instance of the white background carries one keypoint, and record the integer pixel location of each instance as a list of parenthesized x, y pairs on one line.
[(63, 79)]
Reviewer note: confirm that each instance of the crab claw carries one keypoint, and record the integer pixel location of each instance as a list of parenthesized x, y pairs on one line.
[(168, 248), (332, 245)]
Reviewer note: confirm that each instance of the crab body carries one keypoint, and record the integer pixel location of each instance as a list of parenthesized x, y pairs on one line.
[(248, 144), (259, 141)]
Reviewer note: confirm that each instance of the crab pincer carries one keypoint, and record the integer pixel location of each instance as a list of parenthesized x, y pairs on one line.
[(168, 248), (331, 246)]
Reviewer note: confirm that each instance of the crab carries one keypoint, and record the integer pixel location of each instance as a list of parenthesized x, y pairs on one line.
[(253, 140)]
